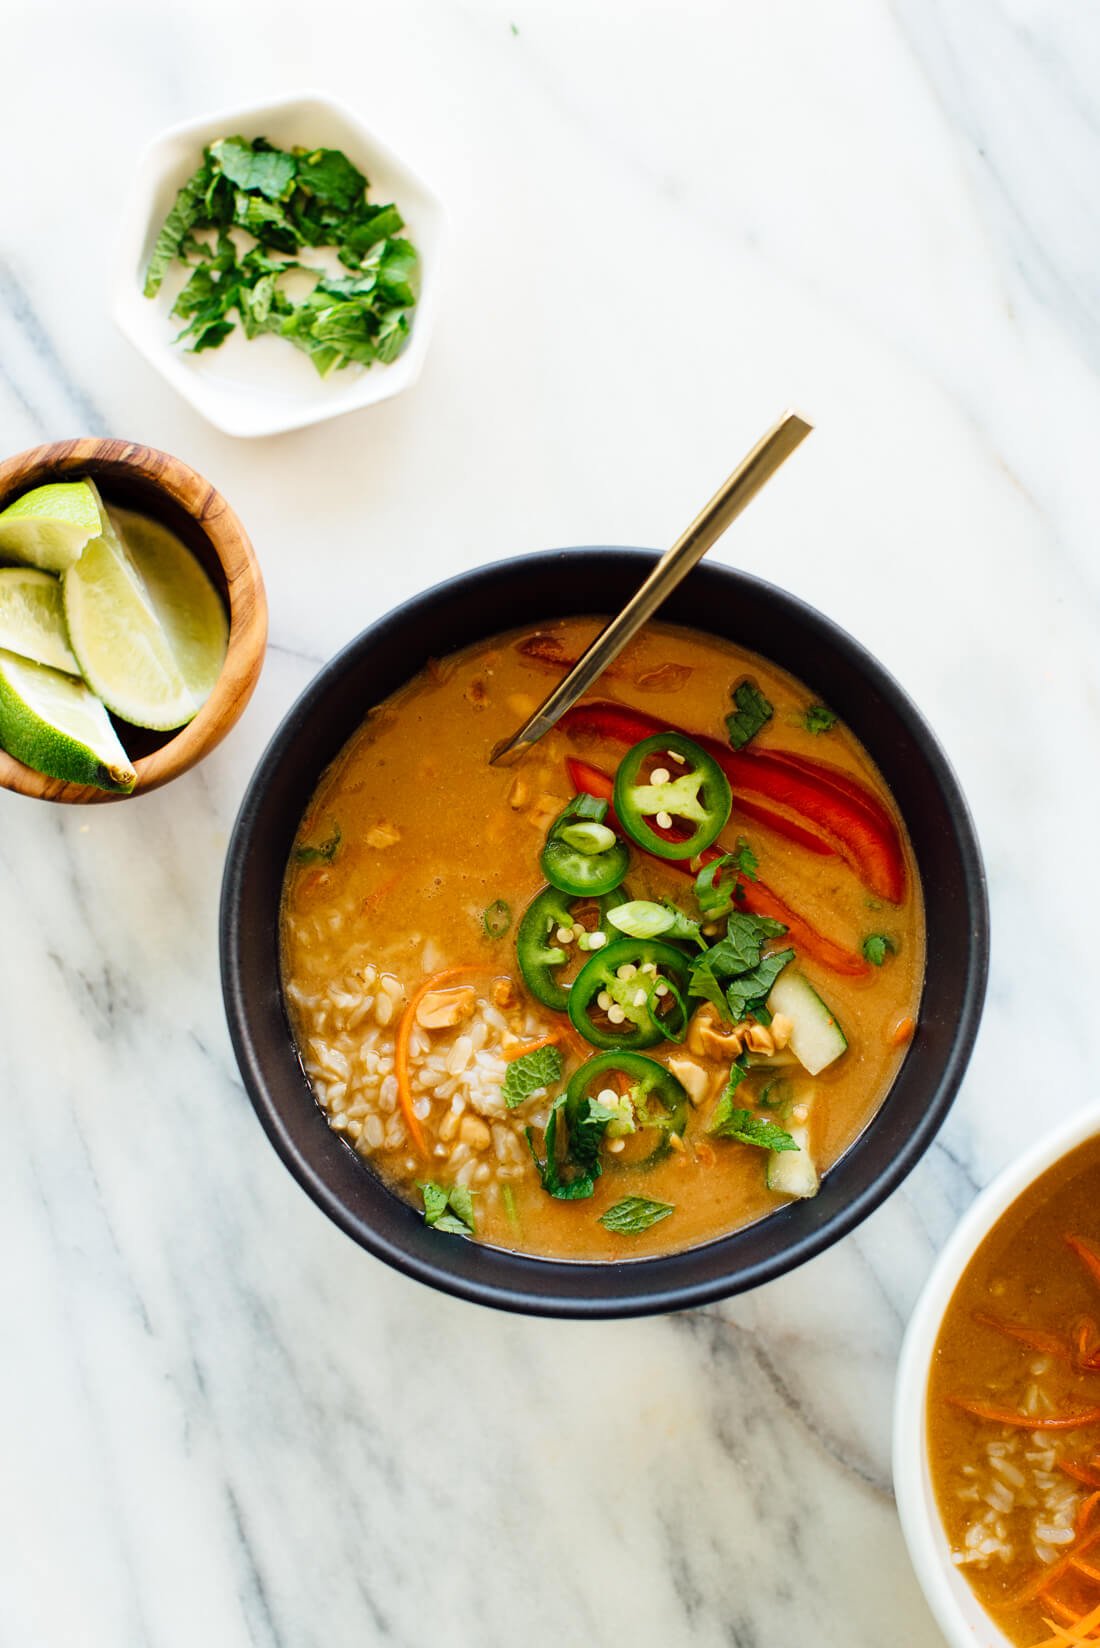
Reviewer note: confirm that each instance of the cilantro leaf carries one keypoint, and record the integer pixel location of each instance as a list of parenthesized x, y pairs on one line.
[(876, 947), (818, 719), (450, 1209), (531, 1074), (746, 1128), (752, 711), (255, 166), (748, 992), (635, 1214)]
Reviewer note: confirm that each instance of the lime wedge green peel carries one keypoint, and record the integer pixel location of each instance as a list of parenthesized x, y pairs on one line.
[(55, 725), (32, 618), (48, 528), (145, 623)]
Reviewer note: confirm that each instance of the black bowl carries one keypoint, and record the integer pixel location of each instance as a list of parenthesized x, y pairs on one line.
[(531, 590)]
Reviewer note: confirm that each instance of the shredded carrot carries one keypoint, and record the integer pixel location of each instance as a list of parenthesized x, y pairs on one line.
[(1028, 1421), (1047, 1343), (1084, 1511), (522, 1048), (1081, 1632), (436, 981), (903, 1032), (1049, 1577), (1087, 1255)]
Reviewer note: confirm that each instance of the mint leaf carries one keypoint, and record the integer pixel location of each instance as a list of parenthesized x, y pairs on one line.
[(635, 1214), (818, 719), (187, 213), (530, 1074), (373, 223), (581, 1155), (255, 166), (331, 177), (714, 892), (448, 1209), (752, 711), (876, 947), (748, 992), (746, 1128)]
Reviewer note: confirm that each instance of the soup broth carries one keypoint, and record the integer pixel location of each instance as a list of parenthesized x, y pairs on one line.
[(411, 875), (1016, 1362)]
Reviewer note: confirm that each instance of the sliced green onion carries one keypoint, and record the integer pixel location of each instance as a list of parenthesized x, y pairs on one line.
[(641, 918), (497, 918), (587, 836)]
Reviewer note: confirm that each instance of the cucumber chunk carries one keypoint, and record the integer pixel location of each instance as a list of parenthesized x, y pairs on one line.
[(794, 1172), (816, 1037)]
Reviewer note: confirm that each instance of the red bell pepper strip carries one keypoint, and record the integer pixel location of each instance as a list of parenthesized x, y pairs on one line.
[(758, 899), (864, 834), (785, 827)]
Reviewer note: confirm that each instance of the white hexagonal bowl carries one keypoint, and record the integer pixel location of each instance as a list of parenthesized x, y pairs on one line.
[(265, 386)]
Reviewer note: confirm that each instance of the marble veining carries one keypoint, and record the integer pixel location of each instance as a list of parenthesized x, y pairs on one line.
[(220, 1423)]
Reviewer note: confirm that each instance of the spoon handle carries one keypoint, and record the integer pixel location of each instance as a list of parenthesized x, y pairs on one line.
[(754, 470)]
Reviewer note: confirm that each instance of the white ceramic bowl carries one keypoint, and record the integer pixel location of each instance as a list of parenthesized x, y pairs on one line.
[(961, 1618), (265, 386)]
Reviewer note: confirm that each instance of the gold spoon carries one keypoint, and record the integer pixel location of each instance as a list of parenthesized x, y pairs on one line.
[(754, 470)]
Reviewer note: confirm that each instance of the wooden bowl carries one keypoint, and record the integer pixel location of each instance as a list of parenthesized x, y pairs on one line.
[(139, 477)]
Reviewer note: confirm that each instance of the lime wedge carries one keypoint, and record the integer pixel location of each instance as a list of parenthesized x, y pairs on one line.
[(32, 618), (145, 624), (55, 725), (49, 527), (187, 605)]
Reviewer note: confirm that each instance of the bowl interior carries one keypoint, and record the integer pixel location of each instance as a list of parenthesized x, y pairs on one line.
[(960, 1615), (528, 591)]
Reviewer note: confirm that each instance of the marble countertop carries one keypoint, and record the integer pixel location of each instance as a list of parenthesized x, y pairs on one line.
[(220, 1422)]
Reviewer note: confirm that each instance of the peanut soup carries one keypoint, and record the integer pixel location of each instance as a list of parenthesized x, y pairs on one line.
[(1014, 1411), (638, 990)]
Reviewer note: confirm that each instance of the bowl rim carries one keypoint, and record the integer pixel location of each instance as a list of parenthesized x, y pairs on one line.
[(619, 1294), (127, 298), (102, 457), (920, 1520)]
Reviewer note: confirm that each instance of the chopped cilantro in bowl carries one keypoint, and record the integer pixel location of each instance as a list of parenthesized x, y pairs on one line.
[(252, 214)]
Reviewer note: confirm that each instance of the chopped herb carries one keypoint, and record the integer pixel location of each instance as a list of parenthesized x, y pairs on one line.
[(748, 992), (635, 1214), (818, 718), (530, 1074), (324, 852), (715, 895), (508, 1197), (580, 1158), (746, 1128), (751, 713), (287, 199), (496, 918), (450, 1209), (876, 947)]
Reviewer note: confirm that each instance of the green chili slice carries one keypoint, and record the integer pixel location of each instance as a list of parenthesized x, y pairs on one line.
[(631, 994), (582, 856), (543, 959), (671, 797)]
